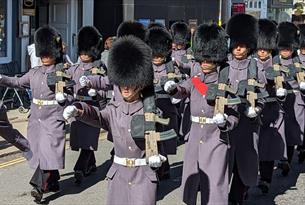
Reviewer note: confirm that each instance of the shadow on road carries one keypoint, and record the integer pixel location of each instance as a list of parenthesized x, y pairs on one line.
[(167, 186), (68, 186), (279, 186)]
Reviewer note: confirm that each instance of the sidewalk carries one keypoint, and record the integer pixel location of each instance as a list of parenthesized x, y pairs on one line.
[(20, 122)]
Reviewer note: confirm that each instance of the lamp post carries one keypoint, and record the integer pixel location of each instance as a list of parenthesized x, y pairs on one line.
[(220, 11)]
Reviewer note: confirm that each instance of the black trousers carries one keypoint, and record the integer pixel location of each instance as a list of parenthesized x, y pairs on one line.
[(290, 151), (238, 189), (266, 170), (85, 160), (43, 179)]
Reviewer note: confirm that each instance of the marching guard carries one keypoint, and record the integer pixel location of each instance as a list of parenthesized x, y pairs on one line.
[(244, 78), (84, 137), (46, 128), (288, 44), (131, 178), (206, 158)]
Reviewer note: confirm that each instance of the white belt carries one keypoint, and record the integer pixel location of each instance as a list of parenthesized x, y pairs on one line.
[(44, 102), (202, 120), (129, 162)]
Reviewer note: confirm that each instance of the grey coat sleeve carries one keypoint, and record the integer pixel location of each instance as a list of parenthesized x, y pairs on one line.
[(183, 90), (93, 116), (100, 82), (22, 82)]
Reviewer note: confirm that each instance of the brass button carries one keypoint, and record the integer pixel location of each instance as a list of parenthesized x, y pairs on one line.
[(200, 141), (129, 148), (129, 130), (129, 183)]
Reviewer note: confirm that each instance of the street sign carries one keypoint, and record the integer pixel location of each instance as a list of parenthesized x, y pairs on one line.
[(28, 7)]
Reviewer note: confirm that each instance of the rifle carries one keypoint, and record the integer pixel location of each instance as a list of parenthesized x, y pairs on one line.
[(97, 69), (144, 126), (299, 70), (60, 79)]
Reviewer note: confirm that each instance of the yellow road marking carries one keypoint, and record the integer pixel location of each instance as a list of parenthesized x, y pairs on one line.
[(22, 159), (12, 162)]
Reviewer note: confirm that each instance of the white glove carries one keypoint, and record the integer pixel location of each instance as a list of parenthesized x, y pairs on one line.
[(251, 112), (281, 92), (156, 160), (175, 100), (302, 85), (169, 86), (0, 76), (69, 112), (220, 119), (84, 81), (60, 97), (27, 155), (92, 92)]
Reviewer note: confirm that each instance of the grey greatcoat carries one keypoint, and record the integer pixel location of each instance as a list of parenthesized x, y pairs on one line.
[(244, 138), (294, 115), (126, 185), (206, 157), (272, 142), (46, 128), (168, 109), (82, 135)]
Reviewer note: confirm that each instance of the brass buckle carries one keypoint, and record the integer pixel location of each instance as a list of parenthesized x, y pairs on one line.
[(202, 120), (130, 162), (40, 102)]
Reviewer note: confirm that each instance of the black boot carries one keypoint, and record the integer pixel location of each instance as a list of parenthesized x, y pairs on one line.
[(301, 156), (37, 195), (263, 186), (285, 167)]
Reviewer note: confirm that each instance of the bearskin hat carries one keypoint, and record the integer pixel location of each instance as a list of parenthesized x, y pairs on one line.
[(131, 28), (267, 34), (129, 63), (181, 33), (288, 36), (160, 41), (48, 42), (242, 29), (90, 41), (155, 24), (302, 35), (210, 43)]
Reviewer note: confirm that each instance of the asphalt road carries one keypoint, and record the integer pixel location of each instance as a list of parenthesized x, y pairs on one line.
[(15, 190)]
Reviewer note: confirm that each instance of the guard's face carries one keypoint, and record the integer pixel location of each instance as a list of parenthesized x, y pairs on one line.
[(130, 94), (302, 50), (286, 53), (180, 46), (85, 58), (158, 60), (263, 54), (240, 52), (47, 60), (208, 66)]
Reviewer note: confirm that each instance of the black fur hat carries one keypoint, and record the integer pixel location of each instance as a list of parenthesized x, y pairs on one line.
[(243, 29), (90, 41), (131, 28), (288, 36), (160, 41), (181, 33), (302, 35), (130, 63), (155, 24), (267, 34), (210, 43), (48, 42)]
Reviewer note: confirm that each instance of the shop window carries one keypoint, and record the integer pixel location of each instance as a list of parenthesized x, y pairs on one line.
[(255, 4), (259, 4), (251, 4), (5, 30)]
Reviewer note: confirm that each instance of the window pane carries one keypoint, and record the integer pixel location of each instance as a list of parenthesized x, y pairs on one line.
[(3, 28)]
